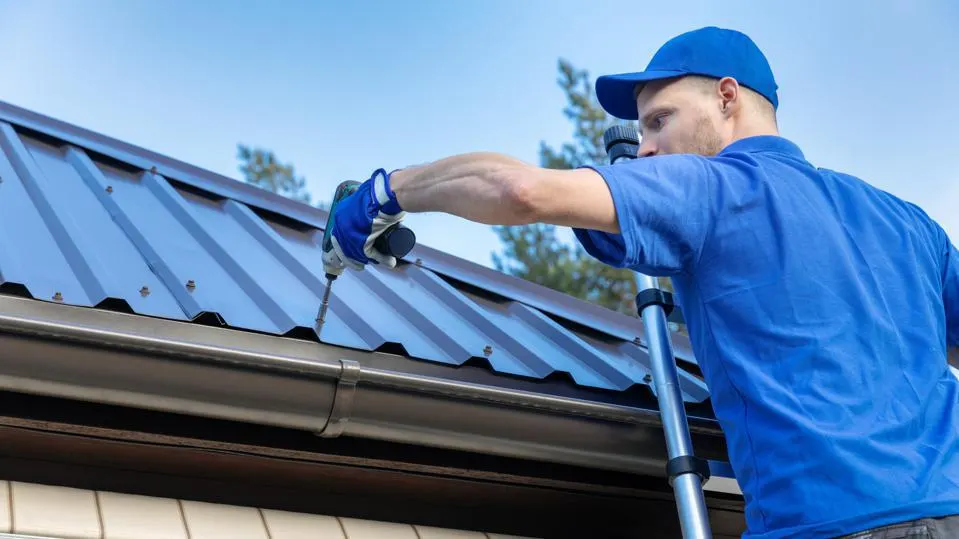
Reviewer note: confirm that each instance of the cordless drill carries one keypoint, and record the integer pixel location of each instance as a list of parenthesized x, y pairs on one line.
[(396, 241)]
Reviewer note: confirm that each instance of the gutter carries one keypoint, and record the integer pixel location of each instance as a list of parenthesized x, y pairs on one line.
[(131, 360)]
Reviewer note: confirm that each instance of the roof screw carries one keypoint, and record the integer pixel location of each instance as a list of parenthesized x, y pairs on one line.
[(57, 296), (109, 189), (145, 291), (648, 378), (488, 350), (191, 284), (153, 169), (418, 262)]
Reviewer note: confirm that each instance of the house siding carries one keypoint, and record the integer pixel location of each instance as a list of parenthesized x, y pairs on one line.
[(72, 513)]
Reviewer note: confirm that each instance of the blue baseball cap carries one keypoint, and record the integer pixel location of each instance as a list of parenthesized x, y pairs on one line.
[(709, 51)]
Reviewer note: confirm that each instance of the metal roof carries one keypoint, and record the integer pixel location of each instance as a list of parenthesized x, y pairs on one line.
[(90, 221)]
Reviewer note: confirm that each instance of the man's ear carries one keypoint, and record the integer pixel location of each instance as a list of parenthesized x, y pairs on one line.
[(730, 97)]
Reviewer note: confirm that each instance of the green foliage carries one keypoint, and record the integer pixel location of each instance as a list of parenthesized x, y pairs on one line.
[(533, 252), (261, 168), (589, 120)]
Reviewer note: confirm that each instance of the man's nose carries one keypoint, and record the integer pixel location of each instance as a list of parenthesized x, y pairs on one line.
[(646, 148)]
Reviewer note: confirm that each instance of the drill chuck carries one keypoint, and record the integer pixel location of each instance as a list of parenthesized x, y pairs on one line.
[(621, 141)]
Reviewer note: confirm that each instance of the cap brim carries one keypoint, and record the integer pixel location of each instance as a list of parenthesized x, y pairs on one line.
[(615, 92)]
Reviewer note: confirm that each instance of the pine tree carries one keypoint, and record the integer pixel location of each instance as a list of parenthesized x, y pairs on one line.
[(261, 168)]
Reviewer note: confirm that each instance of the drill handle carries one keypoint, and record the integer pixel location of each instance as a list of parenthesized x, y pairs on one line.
[(396, 241)]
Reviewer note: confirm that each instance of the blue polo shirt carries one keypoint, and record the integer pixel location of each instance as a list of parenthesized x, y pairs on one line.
[(820, 309)]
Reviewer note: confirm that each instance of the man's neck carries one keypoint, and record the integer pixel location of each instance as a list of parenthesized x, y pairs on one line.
[(754, 129)]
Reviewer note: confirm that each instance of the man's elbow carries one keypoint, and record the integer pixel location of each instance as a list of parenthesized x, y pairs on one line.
[(523, 196), (574, 198)]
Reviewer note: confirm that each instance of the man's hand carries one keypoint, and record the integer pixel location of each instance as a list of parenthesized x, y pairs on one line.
[(358, 221)]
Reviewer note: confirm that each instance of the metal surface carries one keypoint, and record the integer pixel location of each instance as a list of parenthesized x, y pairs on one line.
[(693, 517), (141, 362), (79, 228), (564, 306), (324, 305), (141, 336), (342, 407)]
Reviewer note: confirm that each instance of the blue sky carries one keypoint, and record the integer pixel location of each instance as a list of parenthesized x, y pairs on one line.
[(339, 89)]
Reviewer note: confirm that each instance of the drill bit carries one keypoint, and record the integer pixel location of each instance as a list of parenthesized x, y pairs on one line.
[(325, 304)]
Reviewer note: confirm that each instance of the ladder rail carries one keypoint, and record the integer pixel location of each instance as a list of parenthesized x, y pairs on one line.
[(686, 472)]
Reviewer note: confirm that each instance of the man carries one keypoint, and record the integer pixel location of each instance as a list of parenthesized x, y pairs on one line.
[(819, 308)]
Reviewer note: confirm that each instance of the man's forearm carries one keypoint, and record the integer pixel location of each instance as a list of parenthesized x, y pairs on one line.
[(497, 189), (482, 186)]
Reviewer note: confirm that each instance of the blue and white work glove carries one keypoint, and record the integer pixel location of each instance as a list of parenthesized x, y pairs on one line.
[(359, 219)]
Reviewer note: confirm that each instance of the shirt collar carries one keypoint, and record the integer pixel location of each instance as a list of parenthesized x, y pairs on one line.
[(765, 143)]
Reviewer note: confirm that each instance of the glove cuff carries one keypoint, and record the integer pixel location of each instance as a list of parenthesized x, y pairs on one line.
[(384, 195)]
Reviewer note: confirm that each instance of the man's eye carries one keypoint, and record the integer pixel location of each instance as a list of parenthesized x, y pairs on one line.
[(656, 122)]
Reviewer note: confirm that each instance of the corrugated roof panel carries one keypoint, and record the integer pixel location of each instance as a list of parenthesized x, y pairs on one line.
[(124, 232), (358, 292), (107, 233), (499, 340), (538, 347), (279, 294), (298, 254), (541, 298), (72, 241), (116, 265), (587, 365), (158, 214), (29, 254), (425, 328), (60, 243)]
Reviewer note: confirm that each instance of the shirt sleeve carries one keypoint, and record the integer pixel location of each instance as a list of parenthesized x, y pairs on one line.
[(950, 295), (664, 207)]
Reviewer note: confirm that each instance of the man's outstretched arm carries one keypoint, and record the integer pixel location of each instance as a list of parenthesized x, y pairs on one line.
[(651, 214), (496, 189)]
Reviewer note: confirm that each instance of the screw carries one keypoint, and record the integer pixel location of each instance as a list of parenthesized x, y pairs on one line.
[(109, 189), (145, 291), (153, 169), (191, 284), (488, 350), (57, 296), (418, 262), (648, 378)]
